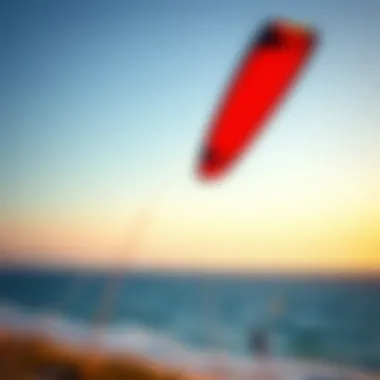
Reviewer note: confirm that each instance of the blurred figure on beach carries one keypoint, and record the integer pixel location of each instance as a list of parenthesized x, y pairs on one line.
[(261, 341)]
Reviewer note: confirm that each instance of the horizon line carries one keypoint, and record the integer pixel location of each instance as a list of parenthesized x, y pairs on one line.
[(171, 271)]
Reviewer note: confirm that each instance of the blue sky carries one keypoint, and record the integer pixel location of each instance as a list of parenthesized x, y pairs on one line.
[(105, 102)]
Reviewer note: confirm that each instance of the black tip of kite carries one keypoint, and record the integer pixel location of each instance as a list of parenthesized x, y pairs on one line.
[(269, 37), (208, 155), (211, 164)]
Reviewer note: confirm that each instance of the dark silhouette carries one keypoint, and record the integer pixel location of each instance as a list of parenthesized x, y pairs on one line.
[(259, 342)]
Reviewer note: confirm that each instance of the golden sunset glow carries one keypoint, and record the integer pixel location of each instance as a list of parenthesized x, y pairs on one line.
[(109, 125)]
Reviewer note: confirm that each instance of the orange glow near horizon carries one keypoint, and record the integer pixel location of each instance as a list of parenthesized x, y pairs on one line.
[(339, 240)]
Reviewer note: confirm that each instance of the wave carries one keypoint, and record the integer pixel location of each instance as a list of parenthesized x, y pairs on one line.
[(140, 340), (128, 338)]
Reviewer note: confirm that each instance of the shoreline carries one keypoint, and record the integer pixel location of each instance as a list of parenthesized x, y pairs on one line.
[(29, 356), (35, 356)]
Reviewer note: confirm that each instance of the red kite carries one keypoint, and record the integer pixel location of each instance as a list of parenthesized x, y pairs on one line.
[(265, 75)]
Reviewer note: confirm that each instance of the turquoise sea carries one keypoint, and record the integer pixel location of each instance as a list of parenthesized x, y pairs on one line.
[(187, 318)]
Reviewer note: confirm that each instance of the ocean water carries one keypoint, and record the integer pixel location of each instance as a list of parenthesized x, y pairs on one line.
[(191, 319)]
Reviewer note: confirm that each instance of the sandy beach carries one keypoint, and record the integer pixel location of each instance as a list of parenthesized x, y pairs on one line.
[(31, 357), (28, 356), (36, 357)]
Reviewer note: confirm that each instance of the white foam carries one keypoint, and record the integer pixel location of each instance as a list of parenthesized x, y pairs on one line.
[(162, 347)]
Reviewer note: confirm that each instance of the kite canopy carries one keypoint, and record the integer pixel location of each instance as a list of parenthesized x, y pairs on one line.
[(265, 75)]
